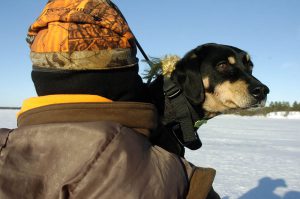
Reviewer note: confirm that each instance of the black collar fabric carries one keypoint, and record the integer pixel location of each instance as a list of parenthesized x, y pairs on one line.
[(117, 84)]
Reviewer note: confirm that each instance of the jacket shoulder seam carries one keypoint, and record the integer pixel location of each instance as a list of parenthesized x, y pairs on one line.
[(90, 166), (4, 135)]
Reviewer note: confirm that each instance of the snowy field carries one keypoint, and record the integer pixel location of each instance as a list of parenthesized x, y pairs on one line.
[(255, 157), (8, 118)]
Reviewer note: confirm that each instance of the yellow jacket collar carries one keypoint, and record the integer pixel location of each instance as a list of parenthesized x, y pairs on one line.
[(36, 102)]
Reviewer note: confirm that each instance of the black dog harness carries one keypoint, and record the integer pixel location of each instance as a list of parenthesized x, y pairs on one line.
[(184, 120)]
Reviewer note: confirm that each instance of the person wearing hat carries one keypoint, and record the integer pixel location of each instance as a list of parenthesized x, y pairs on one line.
[(86, 134)]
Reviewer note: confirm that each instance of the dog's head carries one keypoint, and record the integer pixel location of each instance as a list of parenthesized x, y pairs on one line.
[(219, 78)]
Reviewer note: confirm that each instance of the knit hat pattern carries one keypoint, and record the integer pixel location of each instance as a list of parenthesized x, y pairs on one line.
[(81, 35)]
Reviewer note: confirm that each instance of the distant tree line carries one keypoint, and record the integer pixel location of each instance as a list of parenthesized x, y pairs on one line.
[(272, 107), (10, 108)]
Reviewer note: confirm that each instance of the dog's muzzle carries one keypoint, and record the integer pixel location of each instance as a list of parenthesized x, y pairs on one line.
[(260, 93)]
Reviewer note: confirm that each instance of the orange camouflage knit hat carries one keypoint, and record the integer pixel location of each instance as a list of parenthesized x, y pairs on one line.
[(81, 35)]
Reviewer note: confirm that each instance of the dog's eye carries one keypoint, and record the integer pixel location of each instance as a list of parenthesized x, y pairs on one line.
[(226, 69), (223, 66), (248, 63)]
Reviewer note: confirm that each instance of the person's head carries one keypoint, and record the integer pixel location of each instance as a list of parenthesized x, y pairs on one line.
[(84, 47)]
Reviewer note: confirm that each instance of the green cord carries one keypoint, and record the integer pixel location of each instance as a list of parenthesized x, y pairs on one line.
[(199, 123)]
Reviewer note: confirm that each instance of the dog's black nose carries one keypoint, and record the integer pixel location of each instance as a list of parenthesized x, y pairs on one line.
[(260, 92)]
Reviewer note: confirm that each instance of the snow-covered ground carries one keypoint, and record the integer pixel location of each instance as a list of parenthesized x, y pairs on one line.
[(255, 157), (284, 115), (8, 118)]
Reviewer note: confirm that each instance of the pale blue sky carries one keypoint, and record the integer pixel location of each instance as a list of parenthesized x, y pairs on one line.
[(268, 29)]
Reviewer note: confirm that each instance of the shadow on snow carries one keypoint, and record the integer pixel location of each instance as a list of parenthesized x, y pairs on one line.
[(265, 190)]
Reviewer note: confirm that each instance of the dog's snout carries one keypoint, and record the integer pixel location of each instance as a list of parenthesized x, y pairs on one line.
[(260, 92)]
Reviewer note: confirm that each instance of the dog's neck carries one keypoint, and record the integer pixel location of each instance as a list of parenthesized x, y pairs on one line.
[(210, 115), (158, 99)]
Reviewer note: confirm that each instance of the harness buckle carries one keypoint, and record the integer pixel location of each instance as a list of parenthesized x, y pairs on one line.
[(178, 134), (172, 93)]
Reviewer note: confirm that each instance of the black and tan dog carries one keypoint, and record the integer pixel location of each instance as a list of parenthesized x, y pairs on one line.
[(210, 80)]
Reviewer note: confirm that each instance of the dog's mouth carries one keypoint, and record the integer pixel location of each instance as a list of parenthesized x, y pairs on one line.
[(247, 104), (259, 104), (255, 105)]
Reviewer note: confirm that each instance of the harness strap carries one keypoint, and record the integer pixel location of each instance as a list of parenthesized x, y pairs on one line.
[(185, 116), (135, 39)]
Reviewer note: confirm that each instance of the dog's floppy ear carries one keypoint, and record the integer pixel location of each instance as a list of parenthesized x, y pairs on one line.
[(187, 75)]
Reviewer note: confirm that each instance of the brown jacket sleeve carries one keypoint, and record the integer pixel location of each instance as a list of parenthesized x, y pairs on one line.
[(201, 184)]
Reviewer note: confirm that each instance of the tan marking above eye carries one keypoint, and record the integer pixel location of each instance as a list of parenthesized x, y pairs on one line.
[(248, 57), (193, 56), (231, 60), (206, 82)]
